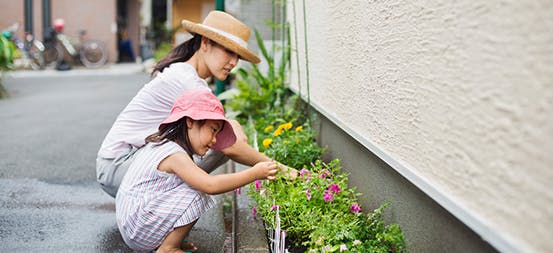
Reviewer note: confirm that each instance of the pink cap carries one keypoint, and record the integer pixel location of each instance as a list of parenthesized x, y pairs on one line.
[(200, 104)]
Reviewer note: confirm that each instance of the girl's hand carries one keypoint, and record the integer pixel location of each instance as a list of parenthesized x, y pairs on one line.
[(266, 170)]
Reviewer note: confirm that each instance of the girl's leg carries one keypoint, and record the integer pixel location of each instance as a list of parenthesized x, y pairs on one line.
[(174, 240)]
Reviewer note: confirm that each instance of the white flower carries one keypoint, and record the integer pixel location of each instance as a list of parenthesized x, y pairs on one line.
[(343, 247)]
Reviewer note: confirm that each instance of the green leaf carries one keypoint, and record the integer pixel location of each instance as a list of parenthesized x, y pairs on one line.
[(228, 94)]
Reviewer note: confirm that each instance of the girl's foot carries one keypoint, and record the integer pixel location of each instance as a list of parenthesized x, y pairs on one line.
[(169, 250), (188, 246)]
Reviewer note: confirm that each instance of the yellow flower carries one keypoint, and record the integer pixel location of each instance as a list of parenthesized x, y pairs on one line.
[(268, 128), (285, 141), (267, 142), (287, 126), (278, 132), (299, 128)]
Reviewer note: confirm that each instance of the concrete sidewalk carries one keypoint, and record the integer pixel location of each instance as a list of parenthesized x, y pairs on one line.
[(106, 70)]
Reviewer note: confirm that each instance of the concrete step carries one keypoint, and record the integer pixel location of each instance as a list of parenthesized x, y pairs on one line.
[(249, 234), (209, 233), (244, 234)]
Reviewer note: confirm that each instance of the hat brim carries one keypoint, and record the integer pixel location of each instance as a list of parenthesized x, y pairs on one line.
[(242, 52), (225, 138)]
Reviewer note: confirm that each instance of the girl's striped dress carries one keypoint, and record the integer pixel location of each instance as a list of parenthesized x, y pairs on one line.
[(151, 203)]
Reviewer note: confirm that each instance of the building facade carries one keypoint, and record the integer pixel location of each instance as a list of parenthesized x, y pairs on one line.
[(442, 108)]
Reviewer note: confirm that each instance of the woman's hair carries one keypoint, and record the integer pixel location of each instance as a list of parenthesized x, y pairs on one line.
[(176, 132), (181, 53)]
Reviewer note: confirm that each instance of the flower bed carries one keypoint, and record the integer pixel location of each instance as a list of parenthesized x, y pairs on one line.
[(316, 211)]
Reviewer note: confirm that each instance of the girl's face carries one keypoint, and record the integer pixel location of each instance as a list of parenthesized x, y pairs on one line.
[(220, 61), (202, 136)]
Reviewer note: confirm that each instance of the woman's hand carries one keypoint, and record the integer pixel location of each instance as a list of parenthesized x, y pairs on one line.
[(266, 170), (291, 172)]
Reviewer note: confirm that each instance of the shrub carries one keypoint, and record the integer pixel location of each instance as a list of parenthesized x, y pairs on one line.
[(318, 210), (293, 145), (7, 51)]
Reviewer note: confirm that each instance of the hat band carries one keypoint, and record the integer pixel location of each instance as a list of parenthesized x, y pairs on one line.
[(236, 39)]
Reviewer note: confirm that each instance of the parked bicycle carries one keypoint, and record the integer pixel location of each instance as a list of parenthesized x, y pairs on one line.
[(31, 50), (91, 53)]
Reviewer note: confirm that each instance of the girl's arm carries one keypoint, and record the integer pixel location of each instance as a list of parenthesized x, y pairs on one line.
[(183, 166), (243, 153)]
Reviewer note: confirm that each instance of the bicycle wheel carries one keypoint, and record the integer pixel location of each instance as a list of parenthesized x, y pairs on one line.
[(53, 54), (93, 54), (35, 54)]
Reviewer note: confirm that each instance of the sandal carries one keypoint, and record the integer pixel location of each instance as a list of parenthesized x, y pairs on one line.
[(188, 247)]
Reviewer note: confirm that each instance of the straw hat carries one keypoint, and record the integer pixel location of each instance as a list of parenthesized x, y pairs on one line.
[(201, 104), (227, 31)]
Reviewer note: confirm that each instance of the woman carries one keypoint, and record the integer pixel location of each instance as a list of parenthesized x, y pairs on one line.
[(213, 51)]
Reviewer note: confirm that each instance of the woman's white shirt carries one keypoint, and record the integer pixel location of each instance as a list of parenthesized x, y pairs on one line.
[(151, 105)]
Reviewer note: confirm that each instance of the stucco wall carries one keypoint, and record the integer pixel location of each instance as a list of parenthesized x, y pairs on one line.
[(459, 94)]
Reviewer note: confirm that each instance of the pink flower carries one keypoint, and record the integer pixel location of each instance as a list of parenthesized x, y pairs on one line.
[(308, 194), (304, 173), (254, 212), (325, 174), (355, 208), (275, 207), (335, 188), (328, 197), (237, 191), (257, 184), (262, 192)]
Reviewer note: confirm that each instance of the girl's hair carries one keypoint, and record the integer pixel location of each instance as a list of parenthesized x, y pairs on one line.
[(181, 53), (176, 132)]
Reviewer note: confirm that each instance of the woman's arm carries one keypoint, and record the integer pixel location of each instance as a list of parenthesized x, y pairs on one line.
[(243, 153), (183, 166)]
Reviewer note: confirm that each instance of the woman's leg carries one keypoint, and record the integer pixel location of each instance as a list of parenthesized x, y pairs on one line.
[(110, 172), (211, 161), (174, 240)]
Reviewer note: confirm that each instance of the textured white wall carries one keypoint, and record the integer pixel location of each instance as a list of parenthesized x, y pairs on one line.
[(461, 92)]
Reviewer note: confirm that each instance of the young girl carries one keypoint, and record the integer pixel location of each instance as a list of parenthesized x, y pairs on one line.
[(165, 192), (213, 51)]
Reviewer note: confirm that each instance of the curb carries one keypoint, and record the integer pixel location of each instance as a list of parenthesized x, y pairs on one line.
[(249, 234)]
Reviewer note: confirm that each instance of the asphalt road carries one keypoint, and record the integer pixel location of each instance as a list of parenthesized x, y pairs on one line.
[(50, 130)]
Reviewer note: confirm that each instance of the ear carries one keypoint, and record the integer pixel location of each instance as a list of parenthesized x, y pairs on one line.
[(189, 123), (205, 43)]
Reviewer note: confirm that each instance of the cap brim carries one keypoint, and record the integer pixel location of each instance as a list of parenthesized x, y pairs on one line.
[(225, 138)]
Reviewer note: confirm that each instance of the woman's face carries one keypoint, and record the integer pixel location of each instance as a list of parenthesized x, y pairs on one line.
[(220, 61), (202, 136)]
